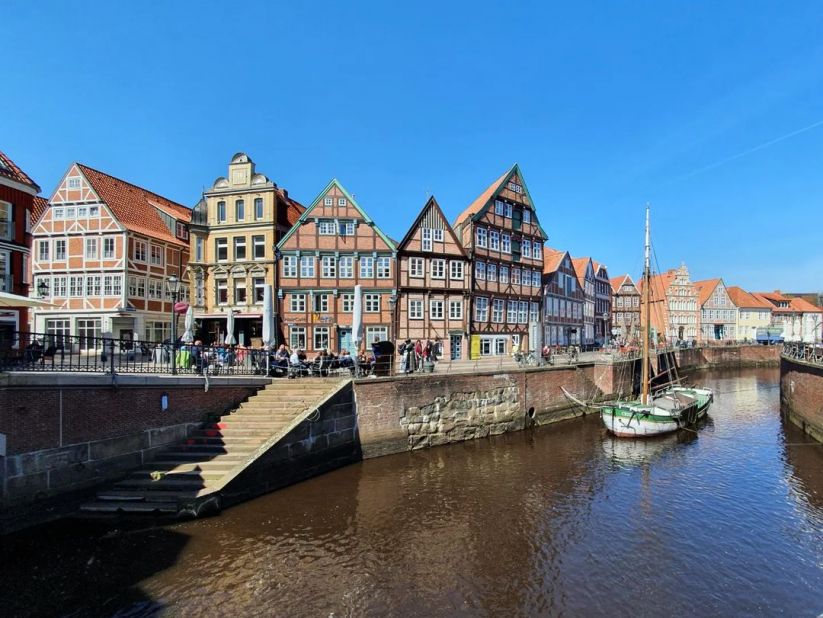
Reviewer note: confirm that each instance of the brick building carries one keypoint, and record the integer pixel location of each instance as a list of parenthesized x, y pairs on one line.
[(563, 300), (625, 310), (334, 246), (584, 271), (17, 203), (104, 250), (674, 308), (501, 234), (434, 284), (602, 304), (718, 313)]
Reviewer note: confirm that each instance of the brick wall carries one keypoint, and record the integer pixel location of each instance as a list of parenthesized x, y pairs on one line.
[(801, 395), (729, 356)]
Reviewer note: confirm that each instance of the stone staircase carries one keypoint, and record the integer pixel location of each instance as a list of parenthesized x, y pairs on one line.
[(187, 478)]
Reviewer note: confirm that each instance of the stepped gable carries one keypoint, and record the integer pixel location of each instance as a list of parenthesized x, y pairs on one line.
[(135, 207)]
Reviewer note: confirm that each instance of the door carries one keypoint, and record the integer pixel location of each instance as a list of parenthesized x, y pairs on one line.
[(456, 345), (344, 337)]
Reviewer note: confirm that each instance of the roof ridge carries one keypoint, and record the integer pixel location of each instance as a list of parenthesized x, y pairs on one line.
[(131, 184)]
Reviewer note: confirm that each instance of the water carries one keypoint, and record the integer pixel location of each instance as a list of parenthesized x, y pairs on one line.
[(560, 521)]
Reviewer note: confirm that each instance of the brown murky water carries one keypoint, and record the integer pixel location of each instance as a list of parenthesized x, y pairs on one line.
[(563, 520)]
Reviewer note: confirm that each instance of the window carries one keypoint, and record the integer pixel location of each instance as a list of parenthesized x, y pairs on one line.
[(371, 303), (456, 270), (482, 237), (341, 201), (415, 309), (89, 333), (157, 332), (155, 289), (57, 213), (221, 249), (509, 210), (515, 276), (504, 274), (289, 267), (426, 235), (321, 303), (536, 277), (222, 291), (436, 309), (259, 289), (93, 285), (329, 267), (297, 337), (491, 272), (59, 286), (140, 250), (481, 309), (108, 248), (498, 305), (76, 286), (5, 271), (347, 228), (74, 182), (537, 251), (307, 266), (327, 227), (60, 249), (321, 337), (480, 271), (513, 186), (437, 235), (239, 248), (527, 248), (511, 312), (328, 201), (522, 312), (70, 213), (297, 303), (499, 207), (506, 243), (156, 255), (367, 267), (348, 303), (527, 215), (438, 269), (43, 250), (259, 247), (494, 240), (221, 212), (384, 268), (346, 267), (239, 291), (111, 285), (416, 267), (239, 210), (258, 208), (455, 309), (57, 330), (182, 232)]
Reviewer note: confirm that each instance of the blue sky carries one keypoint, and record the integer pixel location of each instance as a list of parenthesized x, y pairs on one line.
[(707, 110)]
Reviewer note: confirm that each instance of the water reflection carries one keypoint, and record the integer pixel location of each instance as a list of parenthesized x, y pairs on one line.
[(562, 520)]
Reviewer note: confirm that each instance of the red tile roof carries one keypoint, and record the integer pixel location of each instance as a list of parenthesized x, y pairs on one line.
[(617, 282), (135, 207), (481, 200), (580, 269), (801, 304), (9, 169), (39, 207), (743, 300), (552, 258), (293, 208), (705, 289)]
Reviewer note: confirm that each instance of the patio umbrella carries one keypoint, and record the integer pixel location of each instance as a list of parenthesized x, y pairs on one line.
[(13, 300), (188, 333), (357, 317), (268, 316), (230, 340)]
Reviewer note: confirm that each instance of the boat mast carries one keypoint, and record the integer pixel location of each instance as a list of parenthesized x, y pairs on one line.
[(644, 398)]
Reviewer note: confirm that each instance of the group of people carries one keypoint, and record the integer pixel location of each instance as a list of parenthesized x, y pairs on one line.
[(289, 361), (416, 356)]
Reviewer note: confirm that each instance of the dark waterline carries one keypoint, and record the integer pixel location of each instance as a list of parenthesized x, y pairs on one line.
[(561, 520)]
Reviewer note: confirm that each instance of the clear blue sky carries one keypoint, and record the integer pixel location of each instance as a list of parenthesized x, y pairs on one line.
[(605, 105)]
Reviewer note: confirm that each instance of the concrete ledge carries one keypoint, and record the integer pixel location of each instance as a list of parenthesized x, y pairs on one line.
[(25, 379)]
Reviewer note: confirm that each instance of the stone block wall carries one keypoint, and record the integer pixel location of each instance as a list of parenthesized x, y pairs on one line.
[(801, 395), (729, 356)]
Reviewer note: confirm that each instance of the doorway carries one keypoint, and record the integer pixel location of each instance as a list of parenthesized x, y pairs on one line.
[(456, 345), (344, 337)]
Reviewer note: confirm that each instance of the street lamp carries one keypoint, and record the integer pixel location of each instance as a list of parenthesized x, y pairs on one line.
[(42, 288), (173, 286)]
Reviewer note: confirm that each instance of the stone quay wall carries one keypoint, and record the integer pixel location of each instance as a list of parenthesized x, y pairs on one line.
[(801, 395), (729, 357), (68, 432)]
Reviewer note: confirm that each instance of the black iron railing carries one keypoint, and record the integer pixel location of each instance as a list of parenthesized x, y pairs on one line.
[(24, 351)]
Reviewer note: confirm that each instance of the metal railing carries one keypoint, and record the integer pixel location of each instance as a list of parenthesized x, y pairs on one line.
[(806, 352), (25, 351)]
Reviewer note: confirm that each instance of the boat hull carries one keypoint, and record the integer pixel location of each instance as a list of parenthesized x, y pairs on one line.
[(630, 422)]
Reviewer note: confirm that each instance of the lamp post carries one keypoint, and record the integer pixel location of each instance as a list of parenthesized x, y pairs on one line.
[(42, 288), (173, 286)]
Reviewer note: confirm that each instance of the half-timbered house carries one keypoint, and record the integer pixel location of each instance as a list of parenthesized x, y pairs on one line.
[(334, 246), (104, 250), (434, 284), (584, 269), (625, 310), (602, 304), (503, 237), (562, 300)]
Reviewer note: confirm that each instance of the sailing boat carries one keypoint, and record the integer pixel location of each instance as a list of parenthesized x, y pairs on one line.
[(668, 410)]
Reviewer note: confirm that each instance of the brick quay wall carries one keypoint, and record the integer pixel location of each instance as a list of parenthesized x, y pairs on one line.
[(801, 395)]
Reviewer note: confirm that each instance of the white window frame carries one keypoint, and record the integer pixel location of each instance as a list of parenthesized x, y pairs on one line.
[(297, 303), (415, 309), (426, 239), (290, 267), (455, 309), (436, 309), (494, 240), (328, 267), (109, 248), (345, 267), (156, 255), (481, 237), (341, 201), (327, 227), (498, 310), (505, 243), (480, 271), (456, 270), (321, 337), (481, 309), (383, 267), (438, 268), (437, 235), (367, 267), (297, 336), (43, 249), (417, 267), (141, 251), (371, 303), (308, 268)]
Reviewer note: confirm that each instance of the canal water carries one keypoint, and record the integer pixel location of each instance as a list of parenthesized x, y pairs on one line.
[(562, 520)]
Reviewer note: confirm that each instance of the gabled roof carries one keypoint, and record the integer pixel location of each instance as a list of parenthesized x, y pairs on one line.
[(552, 259), (9, 169), (743, 300), (478, 206), (580, 265), (305, 215), (596, 266), (38, 208), (801, 304), (135, 207), (617, 282), (705, 289), (293, 208), (431, 204)]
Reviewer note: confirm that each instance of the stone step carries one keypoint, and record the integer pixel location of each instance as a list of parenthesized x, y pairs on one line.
[(172, 475), (290, 393), (165, 484), (145, 496), (209, 465), (280, 406), (128, 506), (214, 445)]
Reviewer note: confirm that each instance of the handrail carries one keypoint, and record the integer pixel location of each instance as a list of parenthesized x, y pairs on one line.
[(805, 352)]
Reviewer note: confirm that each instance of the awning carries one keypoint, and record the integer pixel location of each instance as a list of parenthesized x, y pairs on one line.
[(222, 316)]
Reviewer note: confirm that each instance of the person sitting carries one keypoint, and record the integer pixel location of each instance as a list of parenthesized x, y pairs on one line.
[(345, 361), (280, 359), (297, 363), (33, 351)]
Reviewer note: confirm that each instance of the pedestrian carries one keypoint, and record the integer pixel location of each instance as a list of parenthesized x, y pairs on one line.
[(418, 355)]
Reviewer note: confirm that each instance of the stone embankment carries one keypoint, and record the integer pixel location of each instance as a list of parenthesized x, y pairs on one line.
[(801, 394)]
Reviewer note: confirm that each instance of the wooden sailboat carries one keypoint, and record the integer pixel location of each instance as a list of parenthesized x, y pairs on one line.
[(668, 410)]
